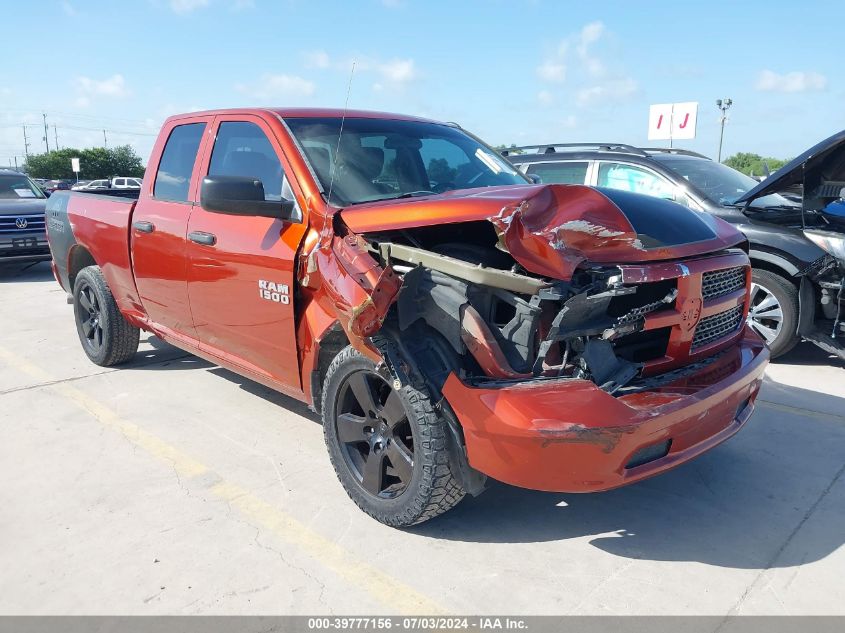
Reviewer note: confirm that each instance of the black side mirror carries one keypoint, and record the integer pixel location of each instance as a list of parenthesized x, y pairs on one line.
[(238, 195)]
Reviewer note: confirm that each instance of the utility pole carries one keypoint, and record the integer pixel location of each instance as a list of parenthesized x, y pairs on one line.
[(105, 140), (723, 105), (25, 143), (46, 137), (56, 133), (16, 163)]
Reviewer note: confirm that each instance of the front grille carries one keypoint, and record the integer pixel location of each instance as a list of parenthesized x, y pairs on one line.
[(34, 222), (717, 283), (718, 326)]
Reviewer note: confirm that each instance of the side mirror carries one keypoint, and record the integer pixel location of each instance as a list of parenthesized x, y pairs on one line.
[(534, 179), (239, 195)]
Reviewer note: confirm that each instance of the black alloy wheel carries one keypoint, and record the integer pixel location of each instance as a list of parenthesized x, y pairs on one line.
[(107, 337), (89, 317), (377, 441)]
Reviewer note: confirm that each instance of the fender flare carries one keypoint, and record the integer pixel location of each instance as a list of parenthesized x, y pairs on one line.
[(776, 260)]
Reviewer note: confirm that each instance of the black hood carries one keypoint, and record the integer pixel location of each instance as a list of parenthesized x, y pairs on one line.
[(820, 170), (22, 206)]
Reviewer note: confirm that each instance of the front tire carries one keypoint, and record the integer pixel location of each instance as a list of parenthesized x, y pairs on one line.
[(106, 337), (388, 446), (773, 311)]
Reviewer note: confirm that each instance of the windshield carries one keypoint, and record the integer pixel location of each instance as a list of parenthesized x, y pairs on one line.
[(15, 187), (718, 182), (383, 159)]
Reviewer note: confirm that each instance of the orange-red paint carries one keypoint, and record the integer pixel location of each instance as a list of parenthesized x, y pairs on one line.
[(557, 434)]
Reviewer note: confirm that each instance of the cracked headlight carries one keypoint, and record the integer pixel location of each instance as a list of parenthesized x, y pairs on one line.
[(832, 243)]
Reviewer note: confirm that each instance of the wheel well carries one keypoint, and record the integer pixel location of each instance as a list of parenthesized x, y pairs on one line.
[(79, 259), (773, 268), (330, 346)]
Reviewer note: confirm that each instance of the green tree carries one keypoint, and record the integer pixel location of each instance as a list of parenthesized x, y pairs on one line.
[(439, 171), (754, 164), (94, 163)]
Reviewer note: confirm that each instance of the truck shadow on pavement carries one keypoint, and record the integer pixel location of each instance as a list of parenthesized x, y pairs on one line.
[(741, 505), (164, 356), (26, 272), (808, 355)]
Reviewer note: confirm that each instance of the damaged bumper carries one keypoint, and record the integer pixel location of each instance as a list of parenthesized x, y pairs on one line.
[(568, 435)]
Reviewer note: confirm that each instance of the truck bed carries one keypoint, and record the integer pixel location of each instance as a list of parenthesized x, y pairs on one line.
[(101, 232)]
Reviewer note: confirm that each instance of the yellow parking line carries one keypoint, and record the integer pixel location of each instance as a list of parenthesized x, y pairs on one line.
[(383, 587)]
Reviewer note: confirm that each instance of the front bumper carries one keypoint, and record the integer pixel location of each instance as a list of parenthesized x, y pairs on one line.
[(568, 435), (24, 247)]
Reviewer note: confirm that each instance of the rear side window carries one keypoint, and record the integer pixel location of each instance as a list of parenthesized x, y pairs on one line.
[(173, 178), (560, 173), (632, 178)]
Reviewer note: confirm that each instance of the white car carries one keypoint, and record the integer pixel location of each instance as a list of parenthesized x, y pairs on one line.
[(126, 183)]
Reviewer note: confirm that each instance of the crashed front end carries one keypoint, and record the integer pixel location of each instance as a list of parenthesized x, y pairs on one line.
[(579, 343)]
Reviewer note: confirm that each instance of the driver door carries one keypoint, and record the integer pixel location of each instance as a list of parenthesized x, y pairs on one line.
[(242, 268)]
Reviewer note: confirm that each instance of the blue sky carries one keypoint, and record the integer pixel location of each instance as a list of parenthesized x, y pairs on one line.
[(512, 71)]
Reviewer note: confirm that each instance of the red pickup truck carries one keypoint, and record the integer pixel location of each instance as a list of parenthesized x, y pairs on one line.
[(449, 319)]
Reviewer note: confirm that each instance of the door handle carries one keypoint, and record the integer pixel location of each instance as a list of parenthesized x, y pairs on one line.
[(143, 227), (200, 237)]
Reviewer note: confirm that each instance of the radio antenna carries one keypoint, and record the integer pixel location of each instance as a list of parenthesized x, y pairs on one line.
[(340, 133)]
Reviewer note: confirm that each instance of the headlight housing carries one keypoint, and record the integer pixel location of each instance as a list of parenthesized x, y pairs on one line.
[(832, 243)]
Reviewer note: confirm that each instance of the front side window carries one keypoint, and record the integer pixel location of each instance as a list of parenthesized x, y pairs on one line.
[(720, 183), (16, 187), (242, 149), (173, 178), (383, 159), (564, 173), (634, 179)]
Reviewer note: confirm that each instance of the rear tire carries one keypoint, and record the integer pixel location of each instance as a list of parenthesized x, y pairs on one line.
[(388, 447), (773, 312), (107, 338)]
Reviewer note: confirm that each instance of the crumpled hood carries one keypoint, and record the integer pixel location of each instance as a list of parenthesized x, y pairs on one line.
[(551, 229)]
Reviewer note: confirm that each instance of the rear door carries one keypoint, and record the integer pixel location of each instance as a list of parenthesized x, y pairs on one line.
[(159, 226), (241, 280), (639, 179)]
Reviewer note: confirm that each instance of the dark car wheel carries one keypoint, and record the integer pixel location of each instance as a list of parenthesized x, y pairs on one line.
[(773, 311), (388, 446), (106, 337)]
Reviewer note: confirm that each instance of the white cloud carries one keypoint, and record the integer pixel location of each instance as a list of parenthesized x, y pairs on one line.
[(279, 86), (545, 98), (68, 8), (186, 6), (552, 71), (394, 73), (317, 59), (796, 81), (613, 90), (88, 88), (398, 71)]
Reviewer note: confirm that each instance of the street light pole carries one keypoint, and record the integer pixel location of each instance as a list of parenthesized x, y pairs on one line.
[(723, 105)]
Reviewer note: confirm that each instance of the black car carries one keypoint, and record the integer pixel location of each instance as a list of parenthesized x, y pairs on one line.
[(797, 253), (22, 233)]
